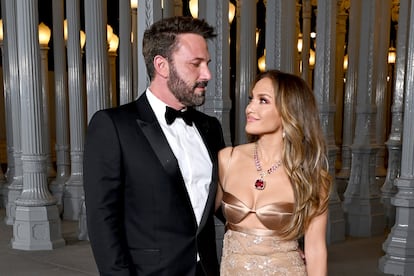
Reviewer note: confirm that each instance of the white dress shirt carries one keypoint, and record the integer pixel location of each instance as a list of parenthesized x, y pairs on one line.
[(191, 153)]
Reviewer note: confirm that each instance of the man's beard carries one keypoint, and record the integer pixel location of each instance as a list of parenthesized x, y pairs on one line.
[(184, 93)]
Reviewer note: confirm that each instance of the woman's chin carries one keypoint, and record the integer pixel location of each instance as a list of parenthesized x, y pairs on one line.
[(250, 130)]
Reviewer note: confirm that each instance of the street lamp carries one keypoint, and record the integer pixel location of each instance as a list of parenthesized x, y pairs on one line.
[(193, 5), (113, 43), (232, 12), (345, 62), (82, 39), (134, 35), (44, 38), (81, 34), (113, 47), (300, 43), (44, 34), (261, 63), (1, 30), (109, 32), (392, 55)]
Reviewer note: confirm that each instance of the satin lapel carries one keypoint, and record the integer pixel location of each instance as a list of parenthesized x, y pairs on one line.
[(203, 128), (153, 132)]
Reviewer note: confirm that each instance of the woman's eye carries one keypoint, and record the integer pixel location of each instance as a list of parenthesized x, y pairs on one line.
[(258, 100)]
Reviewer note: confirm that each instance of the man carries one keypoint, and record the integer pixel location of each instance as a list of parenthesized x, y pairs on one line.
[(150, 181)]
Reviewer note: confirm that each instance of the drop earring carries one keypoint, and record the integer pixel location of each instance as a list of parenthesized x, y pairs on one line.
[(283, 134)]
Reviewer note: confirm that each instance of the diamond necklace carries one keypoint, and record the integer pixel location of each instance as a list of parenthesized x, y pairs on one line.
[(260, 183)]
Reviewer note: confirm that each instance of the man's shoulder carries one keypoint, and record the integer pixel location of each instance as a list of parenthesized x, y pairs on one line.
[(115, 113), (124, 108)]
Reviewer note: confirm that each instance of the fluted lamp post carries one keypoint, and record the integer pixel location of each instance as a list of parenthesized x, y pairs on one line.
[(73, 189), (44, 38), (1, 48), (82, 228), (3, 189), (14, 186), (113, 47), (37, 224), (388, 189), (61, 114)]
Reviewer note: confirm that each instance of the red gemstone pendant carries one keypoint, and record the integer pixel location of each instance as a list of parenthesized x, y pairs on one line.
[(259, 184)]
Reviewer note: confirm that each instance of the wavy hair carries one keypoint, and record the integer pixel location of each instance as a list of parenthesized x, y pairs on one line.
[(304, 149)]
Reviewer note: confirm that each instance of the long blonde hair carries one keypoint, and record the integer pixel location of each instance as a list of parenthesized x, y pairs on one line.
[(304, 149)]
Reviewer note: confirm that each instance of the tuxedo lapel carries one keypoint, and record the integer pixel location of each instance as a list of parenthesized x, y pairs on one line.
[(156, 138), (150, 127), (204, 128)]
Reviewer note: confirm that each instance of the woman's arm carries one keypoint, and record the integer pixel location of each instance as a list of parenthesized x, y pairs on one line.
[(219, 196), (224, 156), (316, 254)]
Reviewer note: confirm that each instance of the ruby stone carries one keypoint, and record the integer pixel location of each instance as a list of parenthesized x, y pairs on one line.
[(259, 184)]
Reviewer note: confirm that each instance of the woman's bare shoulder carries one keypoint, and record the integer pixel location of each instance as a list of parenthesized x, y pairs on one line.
[(239, 150), (225, 154)]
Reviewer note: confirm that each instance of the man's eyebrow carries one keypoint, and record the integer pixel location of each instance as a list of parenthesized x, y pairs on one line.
[(200, 59)]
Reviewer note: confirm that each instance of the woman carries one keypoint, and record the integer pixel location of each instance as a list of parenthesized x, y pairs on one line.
[(275, 189)]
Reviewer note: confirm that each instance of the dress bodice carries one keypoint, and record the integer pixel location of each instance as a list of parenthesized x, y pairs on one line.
[(273, 216)]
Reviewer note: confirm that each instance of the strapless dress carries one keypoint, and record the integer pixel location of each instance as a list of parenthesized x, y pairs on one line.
[(258, 252)]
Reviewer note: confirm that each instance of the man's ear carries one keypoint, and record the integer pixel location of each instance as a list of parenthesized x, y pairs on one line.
[(161, 66)]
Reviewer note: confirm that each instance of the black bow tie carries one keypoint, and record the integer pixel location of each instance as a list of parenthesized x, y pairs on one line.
[(171, 114)]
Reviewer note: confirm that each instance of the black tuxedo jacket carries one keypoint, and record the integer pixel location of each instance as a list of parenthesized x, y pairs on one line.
[(139, 215)]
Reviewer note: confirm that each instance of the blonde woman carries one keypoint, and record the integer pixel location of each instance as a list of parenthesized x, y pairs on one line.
[(274, 190)]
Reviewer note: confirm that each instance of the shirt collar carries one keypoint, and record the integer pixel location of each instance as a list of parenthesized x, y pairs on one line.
[(157, 106)]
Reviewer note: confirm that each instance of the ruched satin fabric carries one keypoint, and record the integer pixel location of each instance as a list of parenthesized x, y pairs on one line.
[(258, 251)]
